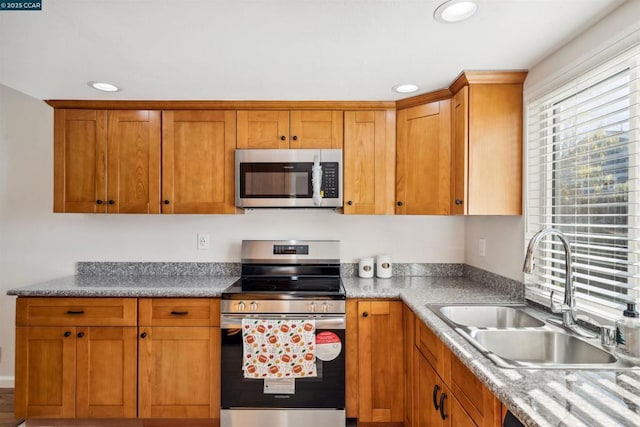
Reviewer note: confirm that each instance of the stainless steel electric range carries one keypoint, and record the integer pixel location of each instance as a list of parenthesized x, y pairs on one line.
[(285, 281)]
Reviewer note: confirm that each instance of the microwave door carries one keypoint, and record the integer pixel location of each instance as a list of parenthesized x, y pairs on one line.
[(275, 180)]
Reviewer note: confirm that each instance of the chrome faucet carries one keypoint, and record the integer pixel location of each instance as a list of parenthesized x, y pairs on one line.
[(568, 307)]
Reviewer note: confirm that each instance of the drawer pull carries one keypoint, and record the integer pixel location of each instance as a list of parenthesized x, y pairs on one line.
[(80, 334), (75, 311), (67, 334), (443, 397), (179, 313), (436, 388)]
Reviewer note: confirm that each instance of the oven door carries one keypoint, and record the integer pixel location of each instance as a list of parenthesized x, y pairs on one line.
[(327, 390)]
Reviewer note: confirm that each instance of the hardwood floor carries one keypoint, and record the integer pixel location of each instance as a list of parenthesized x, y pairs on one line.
[(6, 409)]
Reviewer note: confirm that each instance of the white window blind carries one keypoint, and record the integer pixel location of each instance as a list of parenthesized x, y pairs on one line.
[(583, 178)]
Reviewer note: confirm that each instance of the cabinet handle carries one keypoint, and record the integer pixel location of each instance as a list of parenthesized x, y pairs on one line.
[(180, 313), (458, 202), (283, 138), (99, 202), (80, 334), (399, 203), (295, 138), (143, 335), (350, 203), (443, 397), (166, 202), (67, 334), (365, 314), (75, 311), (112, 202), (436, 388)]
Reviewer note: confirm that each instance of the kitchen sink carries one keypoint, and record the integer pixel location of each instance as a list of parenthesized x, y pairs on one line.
[(489, 316), (539, 347), (512, 336)]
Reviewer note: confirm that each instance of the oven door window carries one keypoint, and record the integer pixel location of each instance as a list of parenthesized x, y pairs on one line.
[(275, 180), (324, 391)]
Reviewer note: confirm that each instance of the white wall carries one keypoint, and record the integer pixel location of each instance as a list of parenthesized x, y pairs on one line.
[(504, 236), (37, 245)]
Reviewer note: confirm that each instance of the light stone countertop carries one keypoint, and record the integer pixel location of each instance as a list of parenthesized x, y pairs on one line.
[(537, 397)]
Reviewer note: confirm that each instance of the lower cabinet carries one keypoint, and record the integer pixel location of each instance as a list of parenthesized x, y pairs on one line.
[(435, 404), (376, 393), (179, 358), (76, 358)]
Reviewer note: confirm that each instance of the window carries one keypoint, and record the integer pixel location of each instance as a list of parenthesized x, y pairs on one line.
[(583, 178)]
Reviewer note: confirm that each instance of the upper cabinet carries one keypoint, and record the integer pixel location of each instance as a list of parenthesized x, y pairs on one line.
[(198, 169), (290, 129), (423, 159), (369, 162), (106, 161), (486, 162)]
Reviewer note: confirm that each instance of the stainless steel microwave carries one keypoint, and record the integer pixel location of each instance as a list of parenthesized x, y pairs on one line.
[(288, 178)]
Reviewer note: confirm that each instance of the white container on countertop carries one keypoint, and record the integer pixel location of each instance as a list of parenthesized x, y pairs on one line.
[(365, 268), (384, 269)]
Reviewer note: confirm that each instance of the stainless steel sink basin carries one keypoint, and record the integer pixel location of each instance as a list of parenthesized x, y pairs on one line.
[(512, 336), (539, 347), (489, 316)]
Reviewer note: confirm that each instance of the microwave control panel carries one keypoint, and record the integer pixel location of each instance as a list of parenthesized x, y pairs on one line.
[(330, 182)]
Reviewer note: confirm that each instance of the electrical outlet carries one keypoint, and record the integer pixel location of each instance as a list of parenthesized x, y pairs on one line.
[(203, 240), (482, 247)]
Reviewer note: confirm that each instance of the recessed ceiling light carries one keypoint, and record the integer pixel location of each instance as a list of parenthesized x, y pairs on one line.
[(455, 11), (405, 88), (104, 86)]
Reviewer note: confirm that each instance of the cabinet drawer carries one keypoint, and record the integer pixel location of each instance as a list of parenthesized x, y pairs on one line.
[(473, 396), (430, 346), (76, 312), (179, 312)]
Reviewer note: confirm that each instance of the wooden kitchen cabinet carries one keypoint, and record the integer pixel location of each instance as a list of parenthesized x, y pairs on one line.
[(73, 370), (106, 161), (380, 361), (198, 166), (423, 159), (281, 129), (179, 358), (409, 320), (369, 162), (486, 160)]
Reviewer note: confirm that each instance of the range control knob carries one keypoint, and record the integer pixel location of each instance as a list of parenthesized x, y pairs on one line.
[(325, 307), (313, 307), (253, 306), (241, 306)]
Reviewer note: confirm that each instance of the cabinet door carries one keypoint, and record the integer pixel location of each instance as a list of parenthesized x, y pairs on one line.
[(380, 361), (263, 129), (495, 149), (106, 372), (316, 129), (45, 372), (427, 391), (198, 149), (179, 372), (409, 341), (369, 162), (133, 162), (79, 167), (458, 417), (459, 157), (423, 166)]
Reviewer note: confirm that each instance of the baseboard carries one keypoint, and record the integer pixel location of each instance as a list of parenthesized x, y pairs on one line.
[(7, 382)]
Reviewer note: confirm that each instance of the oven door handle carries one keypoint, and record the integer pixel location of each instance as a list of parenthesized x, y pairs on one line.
[(230, 321)]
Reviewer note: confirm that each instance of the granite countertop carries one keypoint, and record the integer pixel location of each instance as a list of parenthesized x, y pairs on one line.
[(537, 397)]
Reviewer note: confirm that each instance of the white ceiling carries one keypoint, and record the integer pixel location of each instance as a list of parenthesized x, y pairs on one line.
[(273, 49)]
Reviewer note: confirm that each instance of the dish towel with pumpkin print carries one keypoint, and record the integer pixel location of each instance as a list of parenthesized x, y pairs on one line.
[(278, 348)]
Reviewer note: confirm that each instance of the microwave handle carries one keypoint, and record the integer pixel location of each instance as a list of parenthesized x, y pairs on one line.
[(316, 181)]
